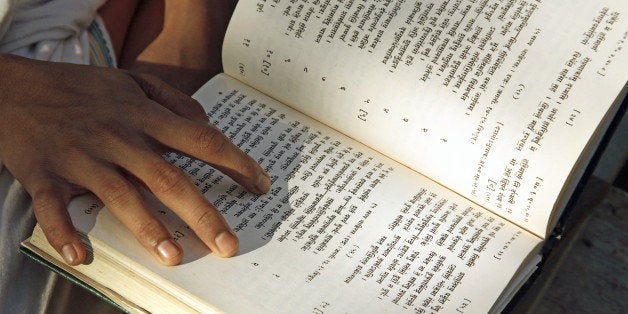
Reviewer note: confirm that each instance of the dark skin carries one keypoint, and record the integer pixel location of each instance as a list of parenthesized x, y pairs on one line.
[(72, 129)]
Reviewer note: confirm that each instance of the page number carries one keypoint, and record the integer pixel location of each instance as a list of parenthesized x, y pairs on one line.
[(362, 115)]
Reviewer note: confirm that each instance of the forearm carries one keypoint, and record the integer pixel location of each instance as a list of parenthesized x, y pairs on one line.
[(179, 41)]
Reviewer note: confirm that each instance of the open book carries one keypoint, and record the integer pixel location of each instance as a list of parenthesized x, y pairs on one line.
[(420, 153)]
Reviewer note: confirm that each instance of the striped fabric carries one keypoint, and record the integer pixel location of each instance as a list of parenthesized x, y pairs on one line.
[(101, 51)]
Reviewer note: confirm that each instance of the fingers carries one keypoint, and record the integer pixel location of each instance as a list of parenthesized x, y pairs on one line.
[(173, 187), (207, 143), (128, 206), (177, 191), (49, 207), (212, 146), (95, 142), (199, 140)]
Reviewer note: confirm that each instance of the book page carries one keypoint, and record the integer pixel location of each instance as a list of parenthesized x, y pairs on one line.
[(343, 229), (494, 99)]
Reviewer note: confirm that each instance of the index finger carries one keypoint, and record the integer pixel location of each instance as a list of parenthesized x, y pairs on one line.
[(205, 142)]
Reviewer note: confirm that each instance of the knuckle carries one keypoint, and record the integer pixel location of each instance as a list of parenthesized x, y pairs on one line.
[(169, 180), (147, 77), (44, 204), (116, 192), (149, 83), (250, 167), (73, 153), (148, 232), (111, 133), (207, 220), (45, 208), (55, 235), (208, 138)]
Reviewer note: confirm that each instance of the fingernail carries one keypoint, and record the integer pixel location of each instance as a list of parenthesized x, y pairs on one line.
[(263, 183), (227, 243), (69, 254), (168, 250)]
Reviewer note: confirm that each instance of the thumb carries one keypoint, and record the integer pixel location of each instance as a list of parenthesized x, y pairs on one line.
[(170, 97)]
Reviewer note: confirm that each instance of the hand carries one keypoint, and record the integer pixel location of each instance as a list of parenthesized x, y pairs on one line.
[(66, 129)]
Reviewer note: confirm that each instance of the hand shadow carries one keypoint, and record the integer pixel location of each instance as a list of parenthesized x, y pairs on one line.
[(254, 218)]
